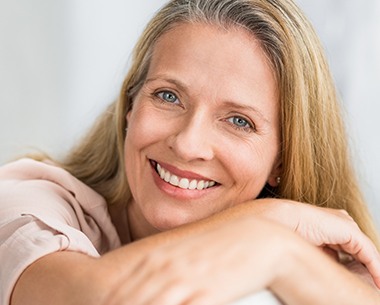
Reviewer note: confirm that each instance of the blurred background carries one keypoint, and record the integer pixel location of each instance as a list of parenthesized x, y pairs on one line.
[(62, 62)]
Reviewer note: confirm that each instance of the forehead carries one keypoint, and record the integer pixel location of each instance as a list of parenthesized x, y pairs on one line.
[(200, 40), (211, 58)]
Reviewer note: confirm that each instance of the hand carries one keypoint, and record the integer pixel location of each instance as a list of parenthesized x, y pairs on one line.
[(325, 227), (215, 267)]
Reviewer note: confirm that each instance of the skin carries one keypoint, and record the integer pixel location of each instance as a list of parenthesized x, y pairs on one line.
[(209, 251), (192, 117), (149, 271)]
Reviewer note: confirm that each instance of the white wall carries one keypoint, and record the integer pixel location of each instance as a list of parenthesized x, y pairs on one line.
[(62, 61)]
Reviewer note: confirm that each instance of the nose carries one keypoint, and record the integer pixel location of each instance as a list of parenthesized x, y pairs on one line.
[(193, 139)]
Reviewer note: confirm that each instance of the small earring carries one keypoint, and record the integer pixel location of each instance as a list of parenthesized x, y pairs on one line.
[(278, 180)]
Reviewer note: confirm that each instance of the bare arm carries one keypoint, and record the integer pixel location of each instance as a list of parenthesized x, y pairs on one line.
[(171, 266)]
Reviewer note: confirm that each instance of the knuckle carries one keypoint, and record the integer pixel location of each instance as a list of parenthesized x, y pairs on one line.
[(343, 212)]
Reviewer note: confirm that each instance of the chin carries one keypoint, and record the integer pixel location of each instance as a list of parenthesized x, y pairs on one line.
[(168, 222)]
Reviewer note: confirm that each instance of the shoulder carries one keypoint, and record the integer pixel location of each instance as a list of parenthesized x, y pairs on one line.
[(24, 168), (49, 193), (47, 176), (44, 209)]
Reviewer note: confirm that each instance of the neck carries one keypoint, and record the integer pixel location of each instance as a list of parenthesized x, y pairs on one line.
[(138, 225), (119, 217)]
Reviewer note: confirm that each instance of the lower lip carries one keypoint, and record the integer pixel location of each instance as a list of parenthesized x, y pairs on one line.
[(177, 192)]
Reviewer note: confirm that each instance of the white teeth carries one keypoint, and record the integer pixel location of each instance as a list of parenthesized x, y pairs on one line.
[(183, 183), (174, 180), (162, 173), (193, 184), (200, 185)]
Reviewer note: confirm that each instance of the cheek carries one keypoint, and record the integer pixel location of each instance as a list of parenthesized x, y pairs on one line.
[(251, 164), (144, 128)]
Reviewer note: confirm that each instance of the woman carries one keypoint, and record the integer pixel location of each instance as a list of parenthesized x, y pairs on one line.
[(228, 135)]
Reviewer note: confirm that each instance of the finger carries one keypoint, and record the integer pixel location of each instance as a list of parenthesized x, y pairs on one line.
[(364, 251), (206, 299), (372, 263), (174, 293), (331, 252), (144, 292), (138, 285)]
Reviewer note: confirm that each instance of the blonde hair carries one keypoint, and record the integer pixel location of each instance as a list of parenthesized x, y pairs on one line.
[(316, 167)]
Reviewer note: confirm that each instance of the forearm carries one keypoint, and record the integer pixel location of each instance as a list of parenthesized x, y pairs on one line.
[(75, 278), (308, 275), (312, 278), (58, 275), (61, 278)]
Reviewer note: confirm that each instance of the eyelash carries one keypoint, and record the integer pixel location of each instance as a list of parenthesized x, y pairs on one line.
[(162, 93), (249, 128)]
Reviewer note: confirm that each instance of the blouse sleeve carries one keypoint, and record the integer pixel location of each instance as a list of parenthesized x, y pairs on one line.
[(43, 209)]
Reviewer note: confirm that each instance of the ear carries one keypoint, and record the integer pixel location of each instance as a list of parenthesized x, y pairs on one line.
[(273, 179)]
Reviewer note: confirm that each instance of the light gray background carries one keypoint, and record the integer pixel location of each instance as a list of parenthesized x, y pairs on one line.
[(62, 62)]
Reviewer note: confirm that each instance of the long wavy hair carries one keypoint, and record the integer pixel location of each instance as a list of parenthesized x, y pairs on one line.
[(316, 165)]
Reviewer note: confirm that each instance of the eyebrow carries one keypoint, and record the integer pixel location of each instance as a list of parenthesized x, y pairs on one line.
[(175, 82), (246, 108), (227, 103)]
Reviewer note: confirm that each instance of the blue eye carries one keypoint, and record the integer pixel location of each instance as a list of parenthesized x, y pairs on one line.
[(239, 122), (168, 97)]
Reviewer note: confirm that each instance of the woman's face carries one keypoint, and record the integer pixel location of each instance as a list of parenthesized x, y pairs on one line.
[(203, 134)]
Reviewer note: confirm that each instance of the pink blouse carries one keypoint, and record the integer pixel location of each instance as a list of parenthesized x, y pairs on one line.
[(44, 209)]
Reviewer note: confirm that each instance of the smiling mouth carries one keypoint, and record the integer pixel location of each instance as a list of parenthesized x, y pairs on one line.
[(181, 182)]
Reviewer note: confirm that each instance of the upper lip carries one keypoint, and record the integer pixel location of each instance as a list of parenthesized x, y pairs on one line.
[(181, 173)]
